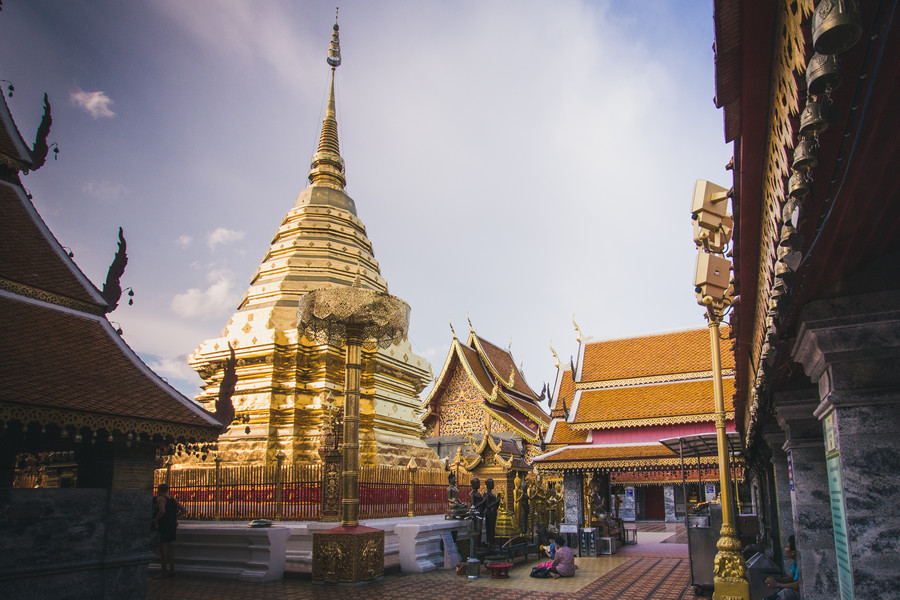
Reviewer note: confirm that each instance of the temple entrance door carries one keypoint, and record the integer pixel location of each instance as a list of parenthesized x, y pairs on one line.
[(654, 503)]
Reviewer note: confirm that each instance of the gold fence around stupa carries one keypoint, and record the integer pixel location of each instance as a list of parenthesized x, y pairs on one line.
[(294, 492)]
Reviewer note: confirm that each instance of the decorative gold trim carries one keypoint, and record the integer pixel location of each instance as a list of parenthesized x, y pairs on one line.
[(526, 434), (788, 67), (671, 420), (635, 381), (43, 415), (546, 465), (44, 296)]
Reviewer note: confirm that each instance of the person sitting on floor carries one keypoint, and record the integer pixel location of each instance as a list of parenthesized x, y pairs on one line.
[(788, 586), (564, 563)]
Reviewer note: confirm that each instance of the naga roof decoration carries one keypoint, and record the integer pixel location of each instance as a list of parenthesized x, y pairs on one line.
[(61, 361)]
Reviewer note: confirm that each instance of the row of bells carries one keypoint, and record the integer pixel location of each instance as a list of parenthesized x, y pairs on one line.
[(836, 27)]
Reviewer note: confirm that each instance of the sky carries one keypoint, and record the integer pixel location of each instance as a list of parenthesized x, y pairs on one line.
[(517, 163)]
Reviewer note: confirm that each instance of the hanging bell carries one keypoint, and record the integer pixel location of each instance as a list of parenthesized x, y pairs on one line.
[(798, 185), (836, 26), (814, 119), (806, 155), (823, 74)]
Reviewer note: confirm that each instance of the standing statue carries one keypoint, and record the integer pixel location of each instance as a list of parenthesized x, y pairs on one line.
[(531, 493), (521, 506), (518, 493), (598, 497), (491, 503), (542, 520), (553, 502), (456, 509), (477, 500), (560, 505)]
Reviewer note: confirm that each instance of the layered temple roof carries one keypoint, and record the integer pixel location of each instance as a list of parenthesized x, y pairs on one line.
[(482, 372), (627, 394), (61, 361)]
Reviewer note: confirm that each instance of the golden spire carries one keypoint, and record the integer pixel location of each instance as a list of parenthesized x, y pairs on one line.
[(327, 168)]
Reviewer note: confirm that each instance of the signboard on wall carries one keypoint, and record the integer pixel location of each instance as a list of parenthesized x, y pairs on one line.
[(838, 510)]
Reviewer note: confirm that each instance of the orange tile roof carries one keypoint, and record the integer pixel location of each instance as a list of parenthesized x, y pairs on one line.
[(563, 434), (586, 457), (566, 390), (678, 352), (530, 409), (651, 401)]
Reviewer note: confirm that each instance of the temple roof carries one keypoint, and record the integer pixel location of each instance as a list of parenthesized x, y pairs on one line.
[(676, 352), (61, 361), (34, 262), (66, 367), (592, 457), (561, 432), (679, 402), (14, 152), (501, 384)]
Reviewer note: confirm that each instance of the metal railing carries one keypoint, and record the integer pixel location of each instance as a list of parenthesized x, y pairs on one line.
[(294, 492)]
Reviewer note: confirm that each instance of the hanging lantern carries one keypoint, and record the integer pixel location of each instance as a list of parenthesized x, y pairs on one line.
[(815, 118), (836, 26), (798, 185), (806, 155), (823, 74)]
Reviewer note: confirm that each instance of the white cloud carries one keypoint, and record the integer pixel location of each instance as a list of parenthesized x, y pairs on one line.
[(172, 367), (97, 104), (184, 241), (216, 300), (104, 190), (223, 236)]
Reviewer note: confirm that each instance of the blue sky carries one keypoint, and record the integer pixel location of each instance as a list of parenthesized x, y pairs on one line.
[(514, 162)]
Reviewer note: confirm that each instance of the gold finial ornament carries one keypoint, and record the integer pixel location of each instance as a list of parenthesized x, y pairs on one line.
[(327, 168), (578, 329), (334, 51), (555, 355)]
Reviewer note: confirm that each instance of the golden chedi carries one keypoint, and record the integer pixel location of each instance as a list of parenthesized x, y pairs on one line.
[(287, 382)]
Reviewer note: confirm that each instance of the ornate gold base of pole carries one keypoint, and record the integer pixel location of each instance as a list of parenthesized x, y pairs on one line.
[(348, 554), (730, 580)]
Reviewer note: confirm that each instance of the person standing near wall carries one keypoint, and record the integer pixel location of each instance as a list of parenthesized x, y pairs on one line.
[(166, 522)]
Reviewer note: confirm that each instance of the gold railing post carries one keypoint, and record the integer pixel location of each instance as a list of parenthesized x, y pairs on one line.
[(411, 469), (279, 480), (217, 514), (169, 473)]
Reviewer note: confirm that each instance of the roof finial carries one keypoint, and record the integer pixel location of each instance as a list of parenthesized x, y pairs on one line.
[(453, 330), (578, 329), (555, 355), (471, 327), (327, 166)]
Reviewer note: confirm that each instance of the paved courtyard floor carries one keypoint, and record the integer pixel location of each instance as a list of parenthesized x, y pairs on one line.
[(654, 569)]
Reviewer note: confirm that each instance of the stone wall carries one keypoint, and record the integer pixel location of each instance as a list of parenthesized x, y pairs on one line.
[(74, 543)]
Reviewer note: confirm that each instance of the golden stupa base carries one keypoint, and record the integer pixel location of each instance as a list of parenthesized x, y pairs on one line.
[(348, 554)]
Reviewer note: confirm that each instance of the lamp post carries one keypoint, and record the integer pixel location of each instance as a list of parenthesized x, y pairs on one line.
[(354, 318), (713, 288)]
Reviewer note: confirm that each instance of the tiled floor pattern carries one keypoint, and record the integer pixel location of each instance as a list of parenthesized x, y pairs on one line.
[(629, 579)]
